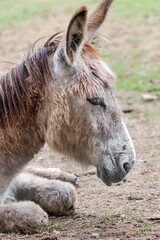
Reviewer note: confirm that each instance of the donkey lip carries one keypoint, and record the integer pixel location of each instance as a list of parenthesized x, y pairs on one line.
[(103, 176), (109, 176)]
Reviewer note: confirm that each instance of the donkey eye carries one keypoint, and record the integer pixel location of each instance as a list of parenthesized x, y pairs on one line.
[(97, 101)]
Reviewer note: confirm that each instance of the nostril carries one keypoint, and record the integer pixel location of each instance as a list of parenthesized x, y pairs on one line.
[(127, 167), (124, 147)]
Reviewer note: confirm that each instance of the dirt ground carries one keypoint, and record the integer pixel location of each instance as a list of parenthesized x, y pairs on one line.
[(130, 209)]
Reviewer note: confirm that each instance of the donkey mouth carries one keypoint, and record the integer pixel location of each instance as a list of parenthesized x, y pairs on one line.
[(109, 177), (103, 176), (111, 172)]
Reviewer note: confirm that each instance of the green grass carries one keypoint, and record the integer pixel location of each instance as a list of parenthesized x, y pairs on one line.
[(133, 74), (129, 9), (144, 229), (136, 9), (14, 12), (138, 80), (54, 225), (136, 73), (112, 218), (93, 223)]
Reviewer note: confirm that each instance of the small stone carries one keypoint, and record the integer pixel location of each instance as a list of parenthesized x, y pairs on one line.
[(149, 97), (95, 235)]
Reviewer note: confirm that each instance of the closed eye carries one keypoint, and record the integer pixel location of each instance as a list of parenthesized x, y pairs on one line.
[(97, 101)]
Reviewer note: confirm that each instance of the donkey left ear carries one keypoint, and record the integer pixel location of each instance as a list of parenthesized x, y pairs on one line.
[(96, 17), (76, 33)]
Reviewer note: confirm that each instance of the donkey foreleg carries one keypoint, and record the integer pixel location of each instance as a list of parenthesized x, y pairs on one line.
[(54, 196), (52, 173)]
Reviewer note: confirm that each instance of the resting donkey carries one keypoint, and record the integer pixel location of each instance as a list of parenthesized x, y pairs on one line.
[(61, 94)]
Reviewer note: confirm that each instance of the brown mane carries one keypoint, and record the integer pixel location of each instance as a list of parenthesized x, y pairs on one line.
[(24, 83)]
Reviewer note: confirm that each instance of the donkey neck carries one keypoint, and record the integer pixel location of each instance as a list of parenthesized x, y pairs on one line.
[(22, 94)]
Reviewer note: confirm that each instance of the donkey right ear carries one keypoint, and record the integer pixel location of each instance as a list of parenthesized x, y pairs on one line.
[(76, 34)]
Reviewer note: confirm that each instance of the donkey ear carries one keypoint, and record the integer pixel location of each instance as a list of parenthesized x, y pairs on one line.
[(96, 17), (76, 33)]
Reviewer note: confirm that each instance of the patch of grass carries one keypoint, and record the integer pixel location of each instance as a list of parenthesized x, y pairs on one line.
[(135, 10), (155, 179), (112, 218), (144, 229), (149, 115), (133, 75), (133, 215), (36, 157), (50, 157), (93, 223), (150, 162), (14, 12), (131, 9), (157, 147), (54, 225), (134, 115), (59, 227)]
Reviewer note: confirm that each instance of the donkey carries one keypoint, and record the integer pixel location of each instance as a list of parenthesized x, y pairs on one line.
[(61, 94)]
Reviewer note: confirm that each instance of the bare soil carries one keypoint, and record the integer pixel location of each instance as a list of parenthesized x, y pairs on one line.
[(130, 209)]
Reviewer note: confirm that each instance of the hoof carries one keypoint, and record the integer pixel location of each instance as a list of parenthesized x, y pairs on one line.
[(71, 178)]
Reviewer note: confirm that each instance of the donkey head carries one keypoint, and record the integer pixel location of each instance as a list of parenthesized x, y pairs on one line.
[(84, 119)]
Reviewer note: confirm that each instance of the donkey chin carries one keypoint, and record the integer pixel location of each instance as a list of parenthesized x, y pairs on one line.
[(114, 169)]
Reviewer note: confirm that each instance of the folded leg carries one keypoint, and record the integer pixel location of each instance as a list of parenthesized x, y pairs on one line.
[(52, 173), (54, 196)]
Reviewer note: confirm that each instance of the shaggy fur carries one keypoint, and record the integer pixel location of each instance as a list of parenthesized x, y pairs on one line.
[(61, 94)]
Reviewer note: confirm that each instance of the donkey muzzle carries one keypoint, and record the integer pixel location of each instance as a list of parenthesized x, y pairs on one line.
[(111, 170)]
